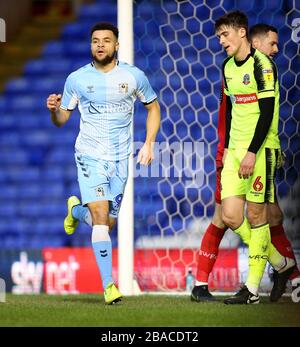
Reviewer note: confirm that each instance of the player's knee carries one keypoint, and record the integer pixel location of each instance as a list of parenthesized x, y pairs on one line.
[(256, 217), (232, 220), (99, 217)]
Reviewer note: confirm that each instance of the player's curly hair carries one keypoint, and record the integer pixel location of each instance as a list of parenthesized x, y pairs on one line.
[(235, 19), (105, 26)]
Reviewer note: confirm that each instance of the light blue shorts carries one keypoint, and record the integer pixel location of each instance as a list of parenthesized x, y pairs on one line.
[(102, 180)]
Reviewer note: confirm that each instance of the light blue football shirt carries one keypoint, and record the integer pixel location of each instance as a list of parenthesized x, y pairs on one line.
[(106, 104)]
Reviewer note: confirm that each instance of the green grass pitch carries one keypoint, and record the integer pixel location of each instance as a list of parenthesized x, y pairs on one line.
[(142, 311)]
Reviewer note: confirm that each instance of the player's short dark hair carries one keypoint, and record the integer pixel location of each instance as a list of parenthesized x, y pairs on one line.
[(235, 19), (261, 29), (105, 26)]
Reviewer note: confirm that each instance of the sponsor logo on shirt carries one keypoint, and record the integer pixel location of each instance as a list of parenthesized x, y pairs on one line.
[(243, 98), (268, 74), (108, 108)]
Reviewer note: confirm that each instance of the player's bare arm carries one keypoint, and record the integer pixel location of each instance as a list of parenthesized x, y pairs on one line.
[(247, 165), (58, 116), (146, 154)]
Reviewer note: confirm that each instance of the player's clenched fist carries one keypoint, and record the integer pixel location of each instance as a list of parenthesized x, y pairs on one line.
[(54, 102)]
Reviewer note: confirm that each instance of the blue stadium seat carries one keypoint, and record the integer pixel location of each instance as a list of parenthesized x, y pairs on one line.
[(53, 173), (23, 174), (98, 12), (67, 49), (8, 209), (54, 48), (54, 209), (37, 137), (44, 67), (17, 85), (14, 155), (33, 84), (52, 190), (81, 49), (8, 191), (11, 139), (12, 241), (43, 226), (47, 84), (7, 122), (70, 172), (25, 103), (30, 209), (77, 31), (60, 157), (3, 104)]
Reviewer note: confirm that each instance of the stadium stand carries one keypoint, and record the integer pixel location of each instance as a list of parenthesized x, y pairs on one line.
[(38, 172)]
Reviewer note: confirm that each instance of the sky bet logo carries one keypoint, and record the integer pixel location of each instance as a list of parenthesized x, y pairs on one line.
[(2, 30)]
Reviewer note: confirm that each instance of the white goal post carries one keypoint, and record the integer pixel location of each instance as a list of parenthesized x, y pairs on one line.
[(126, 218)]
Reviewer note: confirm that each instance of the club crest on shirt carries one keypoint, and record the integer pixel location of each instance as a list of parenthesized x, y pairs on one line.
[(99, 191), (246, 79), (123, 87)]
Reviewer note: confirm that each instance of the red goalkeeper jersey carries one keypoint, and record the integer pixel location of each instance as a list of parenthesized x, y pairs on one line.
[(221, 125)]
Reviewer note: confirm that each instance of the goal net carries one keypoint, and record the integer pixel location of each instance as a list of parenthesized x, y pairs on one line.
[(176, 46)]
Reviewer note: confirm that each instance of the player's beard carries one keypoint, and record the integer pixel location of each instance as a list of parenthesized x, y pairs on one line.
[(105, 61)]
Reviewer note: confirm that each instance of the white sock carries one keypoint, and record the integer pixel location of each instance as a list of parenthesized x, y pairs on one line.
[(102, 248), (252, 289), (288, 263), (100, 233)]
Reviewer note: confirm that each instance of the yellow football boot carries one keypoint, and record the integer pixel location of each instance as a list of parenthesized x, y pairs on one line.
[(71, 223), (112, 294)]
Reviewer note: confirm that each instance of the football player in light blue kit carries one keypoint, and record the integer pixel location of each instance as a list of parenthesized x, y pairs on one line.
[(104, 91)]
